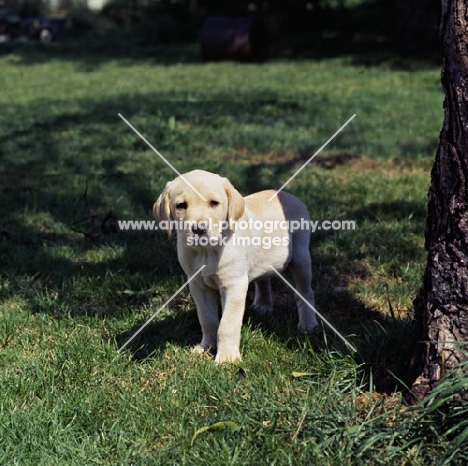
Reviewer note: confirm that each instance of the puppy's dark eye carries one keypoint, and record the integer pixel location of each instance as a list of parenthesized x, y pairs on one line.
[(214, 203), (181, 206)]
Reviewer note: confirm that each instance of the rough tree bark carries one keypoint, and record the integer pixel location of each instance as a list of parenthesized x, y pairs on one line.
[(441, 307)]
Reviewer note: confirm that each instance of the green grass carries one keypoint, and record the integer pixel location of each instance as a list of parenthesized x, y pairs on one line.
[(68, 302)]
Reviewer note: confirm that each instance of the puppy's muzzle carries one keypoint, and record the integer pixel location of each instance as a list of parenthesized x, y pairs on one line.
[(200, 228)]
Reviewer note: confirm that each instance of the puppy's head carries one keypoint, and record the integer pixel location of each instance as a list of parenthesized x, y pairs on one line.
[(200, 205)]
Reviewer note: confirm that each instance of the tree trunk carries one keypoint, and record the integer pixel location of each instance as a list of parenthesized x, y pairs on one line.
[(441, 307)]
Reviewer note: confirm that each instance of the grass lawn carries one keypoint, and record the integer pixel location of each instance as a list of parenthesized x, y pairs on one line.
[(69, 298)]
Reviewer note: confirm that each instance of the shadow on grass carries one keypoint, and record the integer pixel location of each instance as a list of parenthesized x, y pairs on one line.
[(266, 175), (180, 328), (51, 283), (90, 55), (93, 139), (381, 339), (35, 184)]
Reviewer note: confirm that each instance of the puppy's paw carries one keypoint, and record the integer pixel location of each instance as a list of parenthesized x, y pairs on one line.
[(228, 355), (308, 328), (202, 350), (262, 310)]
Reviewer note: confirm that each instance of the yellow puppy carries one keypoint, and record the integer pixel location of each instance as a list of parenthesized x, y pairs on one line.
[(238, 240)]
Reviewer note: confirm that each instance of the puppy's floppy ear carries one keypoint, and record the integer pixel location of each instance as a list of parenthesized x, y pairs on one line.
[(236, 204), (162, 208)]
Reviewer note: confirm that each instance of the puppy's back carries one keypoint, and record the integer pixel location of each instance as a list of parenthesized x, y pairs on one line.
[(283, 206)]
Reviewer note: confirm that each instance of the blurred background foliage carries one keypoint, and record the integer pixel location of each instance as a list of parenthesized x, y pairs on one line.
[(299, 28)]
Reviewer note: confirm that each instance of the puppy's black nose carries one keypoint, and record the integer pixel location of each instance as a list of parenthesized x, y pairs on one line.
[(199, 229)]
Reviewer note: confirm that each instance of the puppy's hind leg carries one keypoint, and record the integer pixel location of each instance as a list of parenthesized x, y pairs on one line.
[(301, 270), (263, 303)]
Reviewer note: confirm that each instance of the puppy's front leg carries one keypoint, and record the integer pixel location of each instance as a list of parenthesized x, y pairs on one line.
[(229, 332), (207, 311)]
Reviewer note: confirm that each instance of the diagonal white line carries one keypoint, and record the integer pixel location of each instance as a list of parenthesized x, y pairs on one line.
[(308, 161), (315, 310), (161, 308), (160, 155)]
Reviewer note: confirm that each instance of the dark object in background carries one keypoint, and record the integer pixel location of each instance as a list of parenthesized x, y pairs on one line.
[(10, 25), (234, 38), (45, 29), (417, 26)]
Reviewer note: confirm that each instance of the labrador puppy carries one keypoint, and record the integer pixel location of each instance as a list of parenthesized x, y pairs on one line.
[(238, 240)]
